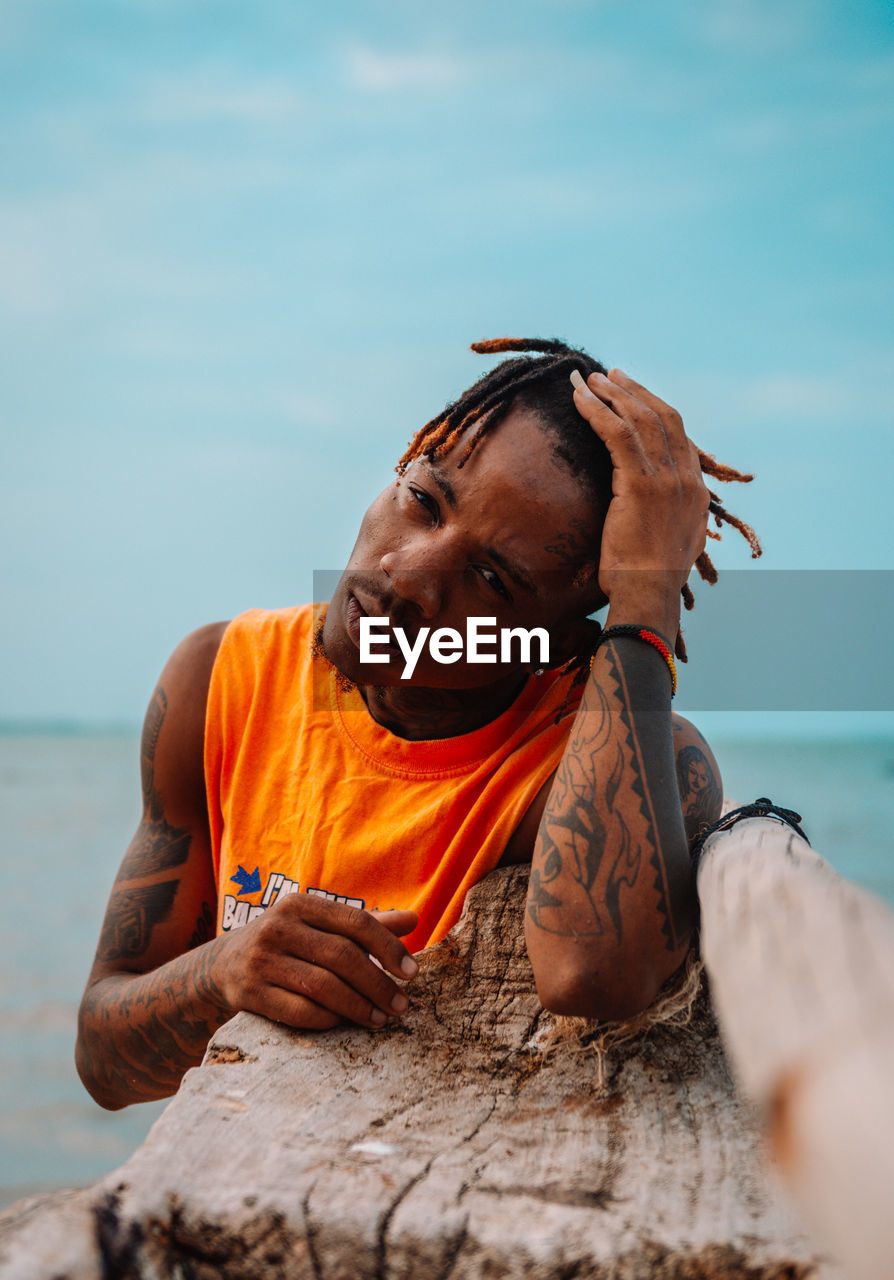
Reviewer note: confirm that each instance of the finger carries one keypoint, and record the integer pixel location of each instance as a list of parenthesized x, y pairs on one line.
[(596, 408), (703, 497), (627, 406), (329, 969), (295, 1011), (666, 414), (328, 989), (397, 922), (620, 436), (333, 953), (362, 927)]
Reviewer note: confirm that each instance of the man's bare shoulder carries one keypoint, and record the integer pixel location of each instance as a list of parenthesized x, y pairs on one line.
[(196, 652), (187, 673), (179, 701)]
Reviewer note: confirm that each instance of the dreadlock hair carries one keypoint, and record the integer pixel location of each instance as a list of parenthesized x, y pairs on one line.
[(540, 383)]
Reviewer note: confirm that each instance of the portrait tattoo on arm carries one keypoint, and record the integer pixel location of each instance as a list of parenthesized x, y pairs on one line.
[(700, 793)]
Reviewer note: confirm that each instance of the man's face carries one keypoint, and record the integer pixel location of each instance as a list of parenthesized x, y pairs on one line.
[(512, 535)]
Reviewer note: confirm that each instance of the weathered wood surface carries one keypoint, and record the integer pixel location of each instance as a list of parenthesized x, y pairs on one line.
[(450, 1146), (801, 964)]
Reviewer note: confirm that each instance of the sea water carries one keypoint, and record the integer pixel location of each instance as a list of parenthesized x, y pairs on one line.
[(68, 806)]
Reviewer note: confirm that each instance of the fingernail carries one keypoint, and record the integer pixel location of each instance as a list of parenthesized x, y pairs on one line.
[(577, 380), (399, 1003), (409, 966), (378, 1017)]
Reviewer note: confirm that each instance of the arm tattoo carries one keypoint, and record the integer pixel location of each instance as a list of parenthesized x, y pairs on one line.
[(699, 789), (625, 870), (607, 803), (131, 916), (158, 706), (573, 832), (647, 788), (204, 930), (157, 846), (141, 1033)]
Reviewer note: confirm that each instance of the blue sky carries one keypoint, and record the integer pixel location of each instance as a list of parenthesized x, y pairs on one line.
[(243, 249)]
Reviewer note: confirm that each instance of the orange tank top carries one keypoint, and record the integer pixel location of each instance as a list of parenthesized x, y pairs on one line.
[(308, 794)]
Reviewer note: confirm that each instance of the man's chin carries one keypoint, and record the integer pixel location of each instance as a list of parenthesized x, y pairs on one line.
[(335, 650), (334, 646)]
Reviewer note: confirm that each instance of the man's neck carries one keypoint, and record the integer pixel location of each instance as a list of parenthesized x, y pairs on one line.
[(418, 714)]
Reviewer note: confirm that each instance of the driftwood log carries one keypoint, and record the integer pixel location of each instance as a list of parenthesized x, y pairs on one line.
[(452, 1146), (801, 964)]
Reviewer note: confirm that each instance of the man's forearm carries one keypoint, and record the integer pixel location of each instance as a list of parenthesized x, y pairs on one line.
[(610, 905), (139, 1033)]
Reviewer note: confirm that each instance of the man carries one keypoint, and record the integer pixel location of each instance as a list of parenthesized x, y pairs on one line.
[(310, 806)]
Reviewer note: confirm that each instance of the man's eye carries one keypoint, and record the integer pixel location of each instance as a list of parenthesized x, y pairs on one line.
[(424, 499), (493, 580)]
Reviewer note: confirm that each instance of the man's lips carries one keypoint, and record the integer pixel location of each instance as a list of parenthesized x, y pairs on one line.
[(354, 611), (368, 607)]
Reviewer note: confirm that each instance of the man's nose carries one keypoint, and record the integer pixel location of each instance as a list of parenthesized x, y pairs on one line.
[(415, 579)]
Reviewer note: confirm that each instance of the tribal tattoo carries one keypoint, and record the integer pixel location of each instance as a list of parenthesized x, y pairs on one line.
[(131, 916), (606, 805), (650, 791), (204, 930), (157, 846), (163, 1039), (575, 834)]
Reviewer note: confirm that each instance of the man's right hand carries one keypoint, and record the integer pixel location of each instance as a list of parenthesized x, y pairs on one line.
[(310, 962)]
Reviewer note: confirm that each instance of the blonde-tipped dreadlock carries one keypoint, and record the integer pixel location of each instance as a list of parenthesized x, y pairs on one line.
[(541, 384)]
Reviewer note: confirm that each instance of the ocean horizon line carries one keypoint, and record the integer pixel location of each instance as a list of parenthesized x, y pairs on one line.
[(52, 727), (721, 726)]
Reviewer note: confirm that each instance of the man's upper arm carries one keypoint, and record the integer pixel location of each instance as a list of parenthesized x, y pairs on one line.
[(698, 781), (163, 899)]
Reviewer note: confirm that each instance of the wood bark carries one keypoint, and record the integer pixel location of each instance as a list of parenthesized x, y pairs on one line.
[(449, 1146), (801, 964)]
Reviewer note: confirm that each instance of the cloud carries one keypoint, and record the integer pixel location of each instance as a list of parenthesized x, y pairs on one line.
[(216, 95), (17, 24), (855, 396), (379, 72), (787, 395), (757, 26), (537, 77), (805, 125), (299, 407), (62, 254)]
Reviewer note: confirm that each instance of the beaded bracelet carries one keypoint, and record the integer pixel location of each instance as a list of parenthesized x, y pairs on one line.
[(641, 633)]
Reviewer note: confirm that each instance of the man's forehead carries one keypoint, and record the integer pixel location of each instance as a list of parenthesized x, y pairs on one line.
[(520, 449), (441, 478), (549, 552)]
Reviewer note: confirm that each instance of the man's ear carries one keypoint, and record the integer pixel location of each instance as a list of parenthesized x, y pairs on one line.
[(571, 640)]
